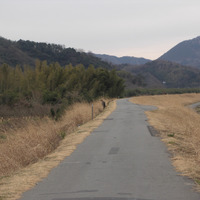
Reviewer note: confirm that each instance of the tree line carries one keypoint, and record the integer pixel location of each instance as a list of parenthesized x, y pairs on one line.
[(159, 91), (54, 84)]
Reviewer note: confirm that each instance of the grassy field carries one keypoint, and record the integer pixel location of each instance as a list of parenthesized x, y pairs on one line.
[(179, 127), (28, 154), (24, 141)]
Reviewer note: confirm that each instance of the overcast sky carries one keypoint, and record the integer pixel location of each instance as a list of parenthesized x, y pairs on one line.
[(140, 28)]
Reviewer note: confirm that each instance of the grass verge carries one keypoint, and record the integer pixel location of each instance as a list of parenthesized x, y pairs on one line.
[(24, 178), (179, 127)]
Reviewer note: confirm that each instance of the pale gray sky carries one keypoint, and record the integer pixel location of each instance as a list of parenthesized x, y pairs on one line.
[(141, 28)]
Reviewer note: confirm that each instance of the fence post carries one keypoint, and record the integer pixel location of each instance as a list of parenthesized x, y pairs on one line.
[(92, 112)]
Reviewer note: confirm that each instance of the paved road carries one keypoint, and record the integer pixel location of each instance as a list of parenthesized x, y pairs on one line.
[(193, 106), (120, 160)]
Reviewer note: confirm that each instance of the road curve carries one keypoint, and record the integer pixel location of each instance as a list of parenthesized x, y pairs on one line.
[(120, 160), (194, 105)]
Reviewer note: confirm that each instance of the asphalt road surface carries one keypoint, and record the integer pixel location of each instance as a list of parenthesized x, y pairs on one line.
[(193, 106), (122, 160)]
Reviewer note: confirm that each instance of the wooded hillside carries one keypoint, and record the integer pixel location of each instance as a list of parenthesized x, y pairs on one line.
[(53, 84), (26, 52), (165, 74)]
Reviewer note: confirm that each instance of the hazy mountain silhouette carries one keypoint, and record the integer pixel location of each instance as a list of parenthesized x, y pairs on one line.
[(122, 60), (185, 53)]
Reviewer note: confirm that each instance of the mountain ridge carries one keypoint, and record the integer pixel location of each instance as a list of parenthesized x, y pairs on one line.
[(166, 74), (122, 60), (185, 53), (25, 52), (153, 74)]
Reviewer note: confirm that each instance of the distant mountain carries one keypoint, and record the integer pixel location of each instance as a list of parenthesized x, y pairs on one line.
[(154, 74), (165, 74), (122, 60), (26, 52), (185, 53)]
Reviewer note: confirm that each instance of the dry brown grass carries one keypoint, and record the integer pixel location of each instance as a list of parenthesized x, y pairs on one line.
[(37, 138), (40, 138), (179, 127)]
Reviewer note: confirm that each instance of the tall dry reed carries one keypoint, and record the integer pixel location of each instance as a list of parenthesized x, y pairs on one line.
[(179, 126), (35, 138)]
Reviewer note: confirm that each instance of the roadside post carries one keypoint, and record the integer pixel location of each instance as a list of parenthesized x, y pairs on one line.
[(92, 112)]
